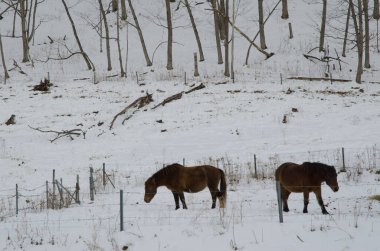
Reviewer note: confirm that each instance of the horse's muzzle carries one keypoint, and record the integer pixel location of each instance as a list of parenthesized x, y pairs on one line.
[(147, 199), (336, 189)]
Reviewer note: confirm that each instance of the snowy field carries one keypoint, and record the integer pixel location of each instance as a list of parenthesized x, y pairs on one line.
[(224, 124)]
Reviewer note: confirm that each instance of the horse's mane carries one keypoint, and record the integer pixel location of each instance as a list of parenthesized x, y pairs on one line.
[(318, 165), (166, 170)]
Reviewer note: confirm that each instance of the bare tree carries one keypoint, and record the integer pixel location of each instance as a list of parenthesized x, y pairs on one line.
[(142, 41), (169, 64), (226, 41), (114, 5), (285, 13), (366, 29), (261, 25), (217, 32), (6, 75), (109, 65), (123, 10), (201, 56), (358, 24), (85, 56), (122, 72), (376, 16), (323, 26), (346, 31), (25, 45)]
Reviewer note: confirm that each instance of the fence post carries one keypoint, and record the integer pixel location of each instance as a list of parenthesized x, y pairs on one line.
[(61, 201), (77, 188), (183, 161), (104, 175), (16, 199), (279, 201), (255, 165), (91, 184), (47, 194), (344, 164), (121, 211), (53, 199)]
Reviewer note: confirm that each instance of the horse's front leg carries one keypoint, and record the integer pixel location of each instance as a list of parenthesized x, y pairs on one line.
[(305, 201), (285, 195), (176, 200), (182, 197), (318, 194)]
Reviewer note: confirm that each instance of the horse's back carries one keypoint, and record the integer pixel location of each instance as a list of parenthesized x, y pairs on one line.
[(285, 168)]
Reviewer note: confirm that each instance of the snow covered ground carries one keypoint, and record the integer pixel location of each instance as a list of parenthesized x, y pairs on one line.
[(224, 124)]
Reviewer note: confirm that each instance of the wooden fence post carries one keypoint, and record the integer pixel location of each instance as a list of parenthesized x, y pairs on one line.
[(121, 211), (53, 198), (344, 164), (183, 161), (196, 71), (104, 175), (290, 31), (77, 188), (16, 199), (47, 194), (279, 201), (255, 165), (91, 184)]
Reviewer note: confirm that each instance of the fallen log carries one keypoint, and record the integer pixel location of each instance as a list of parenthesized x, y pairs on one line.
[(320, 79), (137, 104), (63, 133), (169, 99), (199, 87)]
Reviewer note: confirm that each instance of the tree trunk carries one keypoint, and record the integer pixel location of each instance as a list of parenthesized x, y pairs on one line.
[(114, 5), (169, 64), (261, 25), (122, 72), (14, 20), (142, 41), (346, 31), (323, 26), (358, 24), (6, 75), (201, 56), (222, 12), (376, 10), (366, 25), (226, 42), (85, 56), (123, 10), (233, 42), (285, 13), (217, 32), (109, 65), (25, 46)]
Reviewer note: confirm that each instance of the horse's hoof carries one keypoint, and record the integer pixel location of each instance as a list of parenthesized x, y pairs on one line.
[(286, 209), (325, 212), (184, 207), (176, 208), (305, 211)]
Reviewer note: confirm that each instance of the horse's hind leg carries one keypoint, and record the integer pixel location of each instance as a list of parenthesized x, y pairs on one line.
[(285, 195), (214, 193), (176, 199), (182, 197), (305, 201)]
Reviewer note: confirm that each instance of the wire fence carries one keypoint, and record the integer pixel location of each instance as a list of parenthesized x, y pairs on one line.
[(241, 178)]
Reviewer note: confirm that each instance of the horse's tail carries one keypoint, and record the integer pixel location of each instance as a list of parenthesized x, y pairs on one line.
[(222, 194)]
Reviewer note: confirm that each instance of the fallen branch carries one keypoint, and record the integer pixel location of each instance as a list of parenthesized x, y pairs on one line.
[(169, 99), (199, 87), (64, 133), (137, 104), (320, 79)]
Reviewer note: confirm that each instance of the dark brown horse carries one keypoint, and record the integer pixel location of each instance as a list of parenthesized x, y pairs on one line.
[(179, 179), (304, 179)]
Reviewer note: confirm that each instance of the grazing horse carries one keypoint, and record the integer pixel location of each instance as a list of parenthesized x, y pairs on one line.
[(179, 179), (305, 178)]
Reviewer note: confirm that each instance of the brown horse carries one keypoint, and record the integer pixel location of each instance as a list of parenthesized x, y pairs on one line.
[(179, 179), (304, 179)]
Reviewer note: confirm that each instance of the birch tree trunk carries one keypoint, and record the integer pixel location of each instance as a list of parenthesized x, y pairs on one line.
[(122, 72), (261, 25), (217, 32), (358, 24), (169, 64), (285, 13), (366, 28), (25, 46), (142, 41), (6, 75), (323, 26), (226, 42), (376, 16), (109, 65), (123, 10), (346, 31), (85, 56), (201, 56)]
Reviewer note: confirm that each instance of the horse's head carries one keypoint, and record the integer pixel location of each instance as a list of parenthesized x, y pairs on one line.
[(150, 189), (331, 178)]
